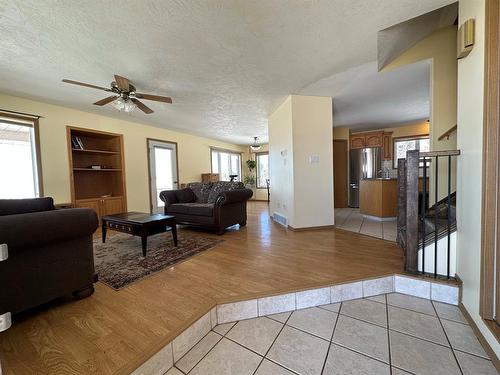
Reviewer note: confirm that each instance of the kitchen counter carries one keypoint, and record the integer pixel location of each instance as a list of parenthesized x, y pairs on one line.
[(378, 197)]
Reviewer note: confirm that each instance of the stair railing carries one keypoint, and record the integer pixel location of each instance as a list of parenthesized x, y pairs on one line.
[(411, 223)]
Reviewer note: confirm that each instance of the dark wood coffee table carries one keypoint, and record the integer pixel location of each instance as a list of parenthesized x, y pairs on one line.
[(139, 224)]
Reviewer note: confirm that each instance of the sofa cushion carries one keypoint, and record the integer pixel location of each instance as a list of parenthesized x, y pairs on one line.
[(178, 208), (222, 186), (201, 190), (185, 195), (24, 206), (201, 209)]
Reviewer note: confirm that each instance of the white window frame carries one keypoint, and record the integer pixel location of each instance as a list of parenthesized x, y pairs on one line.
[(257, 155), (31, 122), (404, 139), (220, 151)]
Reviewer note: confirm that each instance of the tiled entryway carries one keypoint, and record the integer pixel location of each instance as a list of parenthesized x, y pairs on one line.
[(386, 334), (350, 219)]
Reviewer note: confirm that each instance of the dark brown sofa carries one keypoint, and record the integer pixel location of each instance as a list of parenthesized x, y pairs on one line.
[(50, 253), (211, 205)]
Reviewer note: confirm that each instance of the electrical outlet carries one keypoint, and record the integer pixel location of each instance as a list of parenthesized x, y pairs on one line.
[(5, 321)]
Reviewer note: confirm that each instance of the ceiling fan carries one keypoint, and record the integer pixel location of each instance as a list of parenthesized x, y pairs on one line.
[(125, 97)]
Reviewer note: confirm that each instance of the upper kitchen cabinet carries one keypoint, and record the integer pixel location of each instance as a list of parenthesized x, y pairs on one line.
[(358, 141), (387, 145), (374, 139), (367, 139)]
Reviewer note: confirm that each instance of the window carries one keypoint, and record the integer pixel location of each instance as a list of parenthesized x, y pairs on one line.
[(262, 170), (226, 163), (19, 160), (401, 145)]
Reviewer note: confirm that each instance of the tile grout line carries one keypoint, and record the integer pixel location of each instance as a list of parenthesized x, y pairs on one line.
[(270, 346), (331, 339), (196, 364), (388, 334), (447, 339)]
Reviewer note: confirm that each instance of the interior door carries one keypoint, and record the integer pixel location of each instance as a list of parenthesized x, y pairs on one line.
[(162, 170), (340, 173)]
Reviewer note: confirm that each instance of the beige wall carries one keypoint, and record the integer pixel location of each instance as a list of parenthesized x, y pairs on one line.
[(419, 128), (281, 159), (194, 152), (440, 48), (341, 133), (313, 182), (469, 177), (303, 191)]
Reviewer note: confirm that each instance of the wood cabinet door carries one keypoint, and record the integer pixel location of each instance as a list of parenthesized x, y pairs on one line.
[(374, 140), (112, 206), (357, 141), (92, 204), (387, 146)]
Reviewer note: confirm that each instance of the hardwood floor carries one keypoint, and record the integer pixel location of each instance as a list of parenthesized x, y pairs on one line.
[(113, 332)]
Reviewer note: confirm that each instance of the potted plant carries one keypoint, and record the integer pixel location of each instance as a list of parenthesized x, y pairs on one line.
[(249, 182), (251, 164)]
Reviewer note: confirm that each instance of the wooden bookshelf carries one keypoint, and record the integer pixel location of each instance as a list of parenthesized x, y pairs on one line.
[(102, 190)]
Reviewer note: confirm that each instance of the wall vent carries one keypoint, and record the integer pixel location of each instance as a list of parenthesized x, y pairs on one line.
[(280, 219)]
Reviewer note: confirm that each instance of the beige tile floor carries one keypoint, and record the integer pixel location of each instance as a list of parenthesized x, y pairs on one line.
[(386, 334), (350, 219)]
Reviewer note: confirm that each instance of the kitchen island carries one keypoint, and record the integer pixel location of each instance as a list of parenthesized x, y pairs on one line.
[(378, 197)]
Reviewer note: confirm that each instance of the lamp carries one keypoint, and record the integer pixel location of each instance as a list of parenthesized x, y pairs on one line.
[(123, 104), (255, 146)]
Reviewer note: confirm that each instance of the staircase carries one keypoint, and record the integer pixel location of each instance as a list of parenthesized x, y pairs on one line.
[(426, 234)]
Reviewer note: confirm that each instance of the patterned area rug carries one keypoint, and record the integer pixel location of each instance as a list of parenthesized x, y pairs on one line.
[(119, 261)]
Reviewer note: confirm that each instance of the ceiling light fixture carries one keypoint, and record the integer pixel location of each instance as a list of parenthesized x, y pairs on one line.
[(123, 104), (255, 146)]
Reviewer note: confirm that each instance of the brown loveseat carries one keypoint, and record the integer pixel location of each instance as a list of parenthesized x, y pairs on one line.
[(212, 205), (49, 253)]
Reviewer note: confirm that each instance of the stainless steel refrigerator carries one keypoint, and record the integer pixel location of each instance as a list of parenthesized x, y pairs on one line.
[(363, 163)]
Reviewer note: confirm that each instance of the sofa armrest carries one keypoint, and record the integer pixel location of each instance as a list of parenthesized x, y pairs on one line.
[(45, 227), (169, 197), (185, 195), (234, 196)]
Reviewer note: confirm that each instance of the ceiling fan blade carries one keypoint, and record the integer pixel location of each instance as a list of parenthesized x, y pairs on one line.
[(156, 98), (85, 85), (122, 83), (107, 100), (143, 107)]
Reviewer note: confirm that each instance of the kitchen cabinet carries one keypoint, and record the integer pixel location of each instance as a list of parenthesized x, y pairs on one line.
[(374, 139), (357, 141), (387, 145), (378, 197), (366, 139)]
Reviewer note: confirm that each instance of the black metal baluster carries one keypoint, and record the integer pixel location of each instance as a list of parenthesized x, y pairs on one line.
[(424, 208), (436, 177), (449, 218)]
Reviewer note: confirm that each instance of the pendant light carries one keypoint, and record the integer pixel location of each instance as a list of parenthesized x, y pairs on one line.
[(255, 146)]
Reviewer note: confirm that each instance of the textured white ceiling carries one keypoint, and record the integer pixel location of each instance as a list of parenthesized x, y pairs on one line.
[(226, 64), (365, 99)]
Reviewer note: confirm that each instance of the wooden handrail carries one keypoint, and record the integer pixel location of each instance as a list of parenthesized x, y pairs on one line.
[(429, 154), (447, 133)]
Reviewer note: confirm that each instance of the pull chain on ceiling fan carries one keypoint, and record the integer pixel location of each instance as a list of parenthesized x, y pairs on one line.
[(125, 97)]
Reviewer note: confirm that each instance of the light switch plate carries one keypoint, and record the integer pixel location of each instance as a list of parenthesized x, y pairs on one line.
[(4, 252), (313, 159)]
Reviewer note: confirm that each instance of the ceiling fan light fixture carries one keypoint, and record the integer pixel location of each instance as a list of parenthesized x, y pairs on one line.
[(124, 105), (255, 146)]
